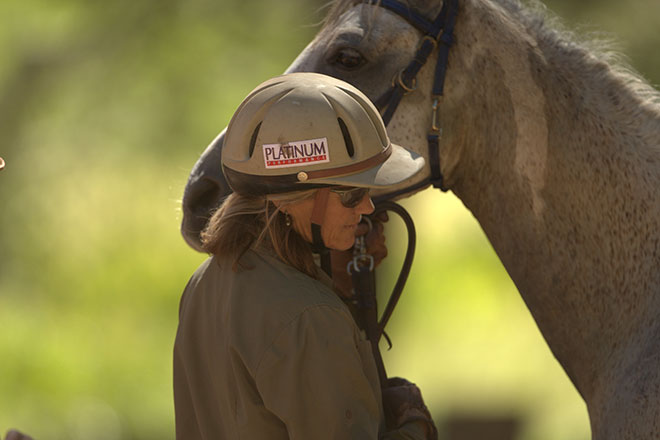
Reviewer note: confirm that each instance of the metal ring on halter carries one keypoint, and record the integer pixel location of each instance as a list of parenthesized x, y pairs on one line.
[(2, 163), (431, 39), (403, 85)]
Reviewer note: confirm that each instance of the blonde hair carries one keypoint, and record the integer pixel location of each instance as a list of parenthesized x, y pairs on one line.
[(244, 222)]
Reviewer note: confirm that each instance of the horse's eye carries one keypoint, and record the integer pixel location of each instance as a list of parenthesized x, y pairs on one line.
[(347, 58)]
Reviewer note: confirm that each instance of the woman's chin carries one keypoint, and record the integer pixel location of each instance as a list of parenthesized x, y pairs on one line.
[(344, 245)]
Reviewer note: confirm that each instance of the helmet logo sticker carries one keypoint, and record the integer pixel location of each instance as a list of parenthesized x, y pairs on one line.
[(295, 154)]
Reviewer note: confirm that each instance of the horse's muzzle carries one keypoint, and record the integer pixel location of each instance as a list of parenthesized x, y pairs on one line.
[(204, 191)]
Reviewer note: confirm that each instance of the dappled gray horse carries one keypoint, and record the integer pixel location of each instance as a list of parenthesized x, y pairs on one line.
[(556, 151)]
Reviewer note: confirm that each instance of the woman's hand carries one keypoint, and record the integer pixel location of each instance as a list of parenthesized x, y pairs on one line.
[(375, 242), (403, 403)]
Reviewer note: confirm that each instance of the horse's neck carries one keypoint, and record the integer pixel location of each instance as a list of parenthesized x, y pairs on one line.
[(560, 165)]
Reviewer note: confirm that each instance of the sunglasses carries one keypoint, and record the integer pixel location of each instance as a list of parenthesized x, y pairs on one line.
[(350, 197)]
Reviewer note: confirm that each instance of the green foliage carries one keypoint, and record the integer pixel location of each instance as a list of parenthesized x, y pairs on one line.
[(104, 108)]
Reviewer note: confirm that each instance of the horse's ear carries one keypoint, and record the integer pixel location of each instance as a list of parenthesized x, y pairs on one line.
[(253, 139), (348, 141)]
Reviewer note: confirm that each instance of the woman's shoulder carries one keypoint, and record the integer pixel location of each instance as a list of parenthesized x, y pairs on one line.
[(268, 276), (260, 281)]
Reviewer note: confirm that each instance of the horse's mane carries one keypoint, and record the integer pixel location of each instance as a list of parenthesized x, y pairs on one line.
[(592, 50), (589, 51)]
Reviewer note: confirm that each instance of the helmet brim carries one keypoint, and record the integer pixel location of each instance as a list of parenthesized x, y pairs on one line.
[(401, 165)]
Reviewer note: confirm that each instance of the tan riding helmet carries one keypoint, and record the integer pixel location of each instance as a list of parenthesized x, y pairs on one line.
[(304, 130)]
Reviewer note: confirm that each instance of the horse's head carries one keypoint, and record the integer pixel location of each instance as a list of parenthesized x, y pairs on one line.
[(367, 46)]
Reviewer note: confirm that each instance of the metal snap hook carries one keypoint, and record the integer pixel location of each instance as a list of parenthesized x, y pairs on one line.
[(435, 117), (360, 255), (358, 266)]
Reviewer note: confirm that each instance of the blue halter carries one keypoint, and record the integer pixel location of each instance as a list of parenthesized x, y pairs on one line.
[(437, 34)]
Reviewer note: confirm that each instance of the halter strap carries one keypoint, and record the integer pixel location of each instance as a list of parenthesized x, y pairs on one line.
[(410, 15), (436, 34)]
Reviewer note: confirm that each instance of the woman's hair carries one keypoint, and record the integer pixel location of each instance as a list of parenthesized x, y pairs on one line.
[(242, 223)]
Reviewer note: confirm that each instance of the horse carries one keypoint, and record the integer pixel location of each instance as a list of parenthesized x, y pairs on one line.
[(554, 147)]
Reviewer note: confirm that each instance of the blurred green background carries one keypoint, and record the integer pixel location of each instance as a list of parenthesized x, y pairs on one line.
[(104, 109)]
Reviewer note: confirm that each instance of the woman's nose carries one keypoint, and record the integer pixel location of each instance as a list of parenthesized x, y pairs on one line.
[(366, 206)]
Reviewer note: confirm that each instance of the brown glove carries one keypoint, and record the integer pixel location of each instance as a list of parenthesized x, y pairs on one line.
[(403, 403), (17, 435)]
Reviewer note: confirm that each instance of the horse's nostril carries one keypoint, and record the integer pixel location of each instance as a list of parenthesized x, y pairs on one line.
[(199, 201)]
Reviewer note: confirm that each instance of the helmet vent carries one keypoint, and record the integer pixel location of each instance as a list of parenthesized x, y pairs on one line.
[(347, 137), (253, 139)]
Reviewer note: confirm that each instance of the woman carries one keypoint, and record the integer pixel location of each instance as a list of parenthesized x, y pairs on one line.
[(266, 349)]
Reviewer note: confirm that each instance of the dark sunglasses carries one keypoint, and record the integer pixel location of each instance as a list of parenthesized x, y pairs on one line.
[(350, 197)]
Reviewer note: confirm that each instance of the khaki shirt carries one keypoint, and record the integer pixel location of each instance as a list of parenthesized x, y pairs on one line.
[(270, 353)]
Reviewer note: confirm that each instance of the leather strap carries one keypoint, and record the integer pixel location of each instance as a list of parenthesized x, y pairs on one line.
[(411, 16), (318, 214), (364, 284), (353, 168)]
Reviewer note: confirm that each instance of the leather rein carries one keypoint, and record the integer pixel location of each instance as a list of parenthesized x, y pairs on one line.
[(437, 34)]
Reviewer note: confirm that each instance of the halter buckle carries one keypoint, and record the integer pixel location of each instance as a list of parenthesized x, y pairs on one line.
[(399, 79)]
